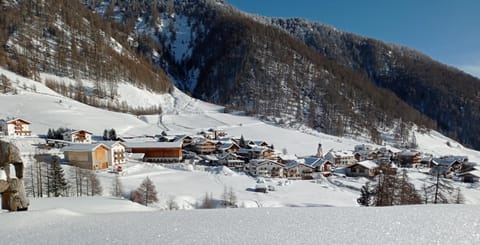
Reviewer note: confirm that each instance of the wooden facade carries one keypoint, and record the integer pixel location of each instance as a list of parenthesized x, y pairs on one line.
[(157, 151), (16, 127), (91, 157)]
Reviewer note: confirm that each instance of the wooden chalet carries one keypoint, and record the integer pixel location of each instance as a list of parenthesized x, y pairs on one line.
[(296, 169), (87, 156), (228, 147), (409, 158), (365, 168), (321, 165), (157, 151), (78, 136), (15, 127), (204, 147)]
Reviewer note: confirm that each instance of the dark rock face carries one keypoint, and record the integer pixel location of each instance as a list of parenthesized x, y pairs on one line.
[(12, 188)]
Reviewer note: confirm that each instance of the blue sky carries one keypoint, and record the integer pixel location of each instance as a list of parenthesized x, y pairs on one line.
[(446, 30)]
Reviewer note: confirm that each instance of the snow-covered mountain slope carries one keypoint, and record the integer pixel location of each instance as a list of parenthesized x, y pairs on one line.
[(181, 115), (442, 224)]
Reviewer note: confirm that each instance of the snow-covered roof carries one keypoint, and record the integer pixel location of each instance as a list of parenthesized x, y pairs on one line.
[(444, 161), (175, 144), (226, 146), (74, 131), (18, 119), (340, 153), (110, 143), (408, 153), (367, 164), (83, 147), (315, 161), (294, 164), (475, 173)]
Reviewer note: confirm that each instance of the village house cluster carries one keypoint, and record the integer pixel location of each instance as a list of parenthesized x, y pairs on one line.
[(254, 157)]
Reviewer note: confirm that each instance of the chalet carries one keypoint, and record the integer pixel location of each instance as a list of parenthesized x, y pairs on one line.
[(116, 153), (157, 151), (185, 139), (257, 153), (470, 176), (299, 170), (209, 160), (87, 156), (446, 166), (265, 168), (340, 158), (319, 165), (15, 127), (204, 146), (78, 136), (409, 158), (362, 169), (232, 161), (228, 147)]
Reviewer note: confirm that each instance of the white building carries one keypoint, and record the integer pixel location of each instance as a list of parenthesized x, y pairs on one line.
[(116, 153), (15, 127)]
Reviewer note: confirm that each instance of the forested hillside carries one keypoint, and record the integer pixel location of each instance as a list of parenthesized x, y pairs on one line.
[(444, 94), (221, 55), (67, 39)]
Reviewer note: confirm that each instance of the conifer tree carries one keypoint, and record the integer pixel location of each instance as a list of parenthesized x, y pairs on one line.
[(58, 182)]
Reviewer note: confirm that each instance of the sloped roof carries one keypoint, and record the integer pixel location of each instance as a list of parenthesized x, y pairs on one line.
[(475, 173), (444, 161), (154, 145), (110, 143), (367, 164), (294, 164), (408, 153), (19, 119), (73, 131), (83, 147), (226, 146)]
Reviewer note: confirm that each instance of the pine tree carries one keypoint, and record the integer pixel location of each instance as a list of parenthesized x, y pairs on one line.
[(145, 194), (242, 142), (366, 195), (59, 184), (112, 135), (105, 134)]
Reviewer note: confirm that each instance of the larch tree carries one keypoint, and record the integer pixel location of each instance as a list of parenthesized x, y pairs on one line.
[(145, 194)]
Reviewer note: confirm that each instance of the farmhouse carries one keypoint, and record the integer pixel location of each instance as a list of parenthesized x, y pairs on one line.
[(340, 158), (228, 147), (265, 168), (87, 156), (116, 153), (78, 136), (408, 158), (319, 165), (445, 166), (15, 127), (297, 169), (157, 151), (362, 169), (205, 146)]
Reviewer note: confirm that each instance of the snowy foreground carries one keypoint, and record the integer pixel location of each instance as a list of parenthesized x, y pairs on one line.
[(87, 221)]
